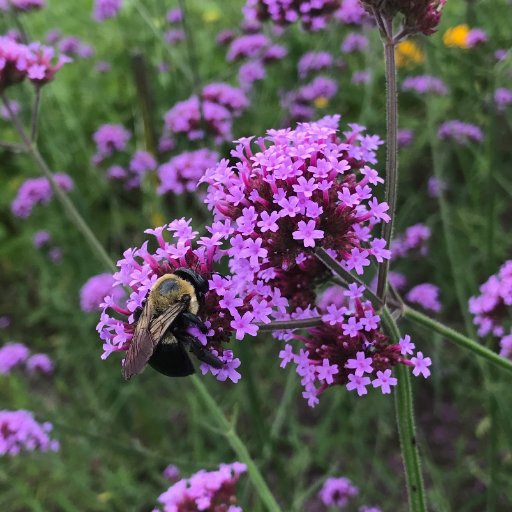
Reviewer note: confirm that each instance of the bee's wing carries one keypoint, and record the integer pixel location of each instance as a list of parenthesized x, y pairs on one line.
[(147, 334)]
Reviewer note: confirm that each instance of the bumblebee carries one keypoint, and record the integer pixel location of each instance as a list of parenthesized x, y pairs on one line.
[(160, 338)]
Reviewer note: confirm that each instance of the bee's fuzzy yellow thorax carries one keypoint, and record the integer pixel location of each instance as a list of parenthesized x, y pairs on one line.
[(161, 301)]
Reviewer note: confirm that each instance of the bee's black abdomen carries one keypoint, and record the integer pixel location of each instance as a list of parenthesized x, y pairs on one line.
[(172, 360)]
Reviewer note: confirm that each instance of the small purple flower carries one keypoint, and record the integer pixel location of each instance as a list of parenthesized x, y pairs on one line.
[(172, 473), (421, 365), (314, 61), (436, 186), (462, 133), (384, 380), (110, 138), (105, 9), (405, 137), (12, 355), (41, 238), (361, 364), (424, 84), (426, 295), (361, 77), (475, 37), (354, 42), (94, 291), (39, 363), (337, 492), (406, 345), (502, 98)]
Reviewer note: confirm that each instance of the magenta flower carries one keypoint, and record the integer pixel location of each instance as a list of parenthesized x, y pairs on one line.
[(337, 492), (205, 490), (183, 172), (426, 295), (424, 84), (436, 186), (41, 238), (502, 98), (94, 291), (105, 9), (405, 137), (40, 363), (249, 73), (307, 233), (491, 307), (475, 37), (361, 364), (20, 432), (421, 365), (172, 473), (22, 5), (314, 61), (384, 380), (37, 191), (413, 240), (462, 133), (354, 42), (12, 355), (110, 138), (406, 345)]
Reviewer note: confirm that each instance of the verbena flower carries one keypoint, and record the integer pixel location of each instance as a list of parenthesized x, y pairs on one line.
[(475, 37), (55, 254), (220, 104), (183, 172), (419, 16), (20, 432), (174, 15), (413, 239), (12, 355), (39, 363), (435, 186), (95, 289), (337, 492), (41, 238), (312, 14), (249, 73), (5, 321), (405, 137), (424, 84), (314, 61), (105, 9), (14, 106), (231, 305), (74, 47), (361, 77), (460, 132), (502, 98), (369, 508), (110, 138), (172, 473), (174, 35), (205, 490), (22, 5), (354, 42), (490, 308), (36, 191), (33, 62), (351, 12), (426, 295)]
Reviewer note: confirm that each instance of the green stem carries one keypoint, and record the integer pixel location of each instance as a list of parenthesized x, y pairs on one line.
[(406, 428), (391, 154), (68, 206), (280, 325), (237, 445), (457, 338)]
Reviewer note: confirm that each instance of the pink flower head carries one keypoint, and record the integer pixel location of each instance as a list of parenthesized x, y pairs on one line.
[(492, 306), (110, 138), (22, 5), (20, 432), (462, 133), (337, 492), (105, 9), (37, 191), (421, 365), (205, 490), (12, 355), (96, 289), (312, 14), (40, 363), (426, 295), (292, 192), (413, 240)]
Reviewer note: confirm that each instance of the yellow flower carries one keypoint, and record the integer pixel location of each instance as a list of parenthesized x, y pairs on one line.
[(456, 36), (211, 16), (407, 54), (321, 102)]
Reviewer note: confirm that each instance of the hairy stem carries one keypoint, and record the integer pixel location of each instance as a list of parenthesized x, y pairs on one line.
[(391, 157), (280, 325), (457, 338), (35, 115), (68, 206), (237, 445), (406, 428)]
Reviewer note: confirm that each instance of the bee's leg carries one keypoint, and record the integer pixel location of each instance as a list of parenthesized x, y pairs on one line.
[(137, 313), (203, 354), (194, 320)]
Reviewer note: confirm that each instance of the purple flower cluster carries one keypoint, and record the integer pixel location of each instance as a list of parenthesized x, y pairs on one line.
[(435, 186), (301, 102), (491, 307), (475, 37), (205, 490), (5, 113), (94, 291), (231, 305), (351, 12), (41, 238), (249, 73), (354, 42), (174, 15), (414, 239), (183, 172), (424, 84), (22, 5), (426, 295), (462, 133), (14, 355), (337, 492), (314, 61), (220, 104), (312, 14), (34, 62), (19, 432), (105, 9), (109, 138), (405, 137), (74, 47), (502, 98), (37, 191)]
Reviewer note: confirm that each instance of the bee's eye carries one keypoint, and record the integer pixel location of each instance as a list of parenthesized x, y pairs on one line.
[(168, 286)]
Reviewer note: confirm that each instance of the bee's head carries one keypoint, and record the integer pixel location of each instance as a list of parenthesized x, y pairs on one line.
[(199, 283)]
